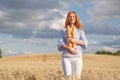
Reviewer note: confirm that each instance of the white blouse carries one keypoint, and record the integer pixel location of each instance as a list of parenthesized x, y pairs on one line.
[(80, 35)]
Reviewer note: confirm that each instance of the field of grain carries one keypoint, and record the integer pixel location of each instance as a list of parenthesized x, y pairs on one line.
[(48, 67)]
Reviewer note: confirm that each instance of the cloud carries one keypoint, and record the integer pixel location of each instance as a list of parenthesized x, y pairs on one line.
[(26, 52), (97, 42), (107, 48), (11, 52), (104, 17), (22, 21), (29, 4), (36, 19), (33, 18), (19, 46), (114, 43), (104, 10), (105, 29)]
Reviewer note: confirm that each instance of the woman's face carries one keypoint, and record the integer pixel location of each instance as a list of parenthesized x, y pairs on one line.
[(71, 18)]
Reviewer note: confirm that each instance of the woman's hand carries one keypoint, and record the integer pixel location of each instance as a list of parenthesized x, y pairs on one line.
[(75, 41), (73, 51), (70, 40)]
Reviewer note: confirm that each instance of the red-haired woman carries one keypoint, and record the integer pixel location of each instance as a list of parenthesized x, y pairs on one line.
[(72, 40)]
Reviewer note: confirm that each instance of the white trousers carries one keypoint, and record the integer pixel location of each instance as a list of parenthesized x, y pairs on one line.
[(72, 66)]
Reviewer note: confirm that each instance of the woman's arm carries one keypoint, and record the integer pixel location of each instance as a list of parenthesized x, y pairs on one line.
[(70, 50), (64, 46), (82, 41), (78, 42)]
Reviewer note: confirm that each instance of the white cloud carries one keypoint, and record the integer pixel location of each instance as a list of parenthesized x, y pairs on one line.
[(26, 52), (1, 14), (106, 48), (22, 19), (57, 24), (93, 43), (32, 40), (22, 22), (9, 51), (104, 10)]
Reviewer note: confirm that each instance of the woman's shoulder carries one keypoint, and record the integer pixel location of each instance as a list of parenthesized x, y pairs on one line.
[(63, 30), (80, 30)]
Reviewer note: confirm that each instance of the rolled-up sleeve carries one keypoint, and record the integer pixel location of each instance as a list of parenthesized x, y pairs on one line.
[(60, 42), (84, 40)]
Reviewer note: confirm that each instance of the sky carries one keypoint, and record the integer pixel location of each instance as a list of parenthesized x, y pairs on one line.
[(33, 26)]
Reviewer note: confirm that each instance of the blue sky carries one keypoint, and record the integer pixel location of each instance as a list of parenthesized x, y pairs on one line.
[(32, 26)]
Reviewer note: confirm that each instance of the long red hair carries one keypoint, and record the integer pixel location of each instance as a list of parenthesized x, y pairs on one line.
[(78, 23)]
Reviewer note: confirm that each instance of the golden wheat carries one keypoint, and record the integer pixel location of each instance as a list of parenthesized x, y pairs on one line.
[(48, 67)]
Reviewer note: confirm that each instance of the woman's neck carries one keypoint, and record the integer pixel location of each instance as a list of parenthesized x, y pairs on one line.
[(71, 25)]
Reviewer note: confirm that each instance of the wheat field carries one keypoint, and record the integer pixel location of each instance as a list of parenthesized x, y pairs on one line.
[(48, 67)]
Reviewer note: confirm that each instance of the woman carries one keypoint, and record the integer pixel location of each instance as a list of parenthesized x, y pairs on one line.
[(72, 40)]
